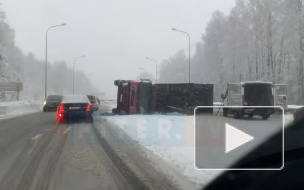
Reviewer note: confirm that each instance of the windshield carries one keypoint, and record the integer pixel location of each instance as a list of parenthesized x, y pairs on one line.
[(154, 94)]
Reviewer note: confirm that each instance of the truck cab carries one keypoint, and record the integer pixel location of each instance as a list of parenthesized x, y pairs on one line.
[(252, 94), (133, 97)]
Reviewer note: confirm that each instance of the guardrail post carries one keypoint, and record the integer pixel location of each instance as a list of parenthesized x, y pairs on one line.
[(18, 95)]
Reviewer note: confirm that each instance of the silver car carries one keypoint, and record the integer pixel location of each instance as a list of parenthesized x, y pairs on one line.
[(94, 102)]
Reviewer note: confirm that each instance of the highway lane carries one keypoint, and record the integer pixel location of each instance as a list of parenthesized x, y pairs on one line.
[(38, 154)]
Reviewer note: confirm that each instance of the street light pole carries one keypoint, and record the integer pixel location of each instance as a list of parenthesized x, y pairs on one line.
[(174, 29), (156, 67), (74, 71), (46, 46)]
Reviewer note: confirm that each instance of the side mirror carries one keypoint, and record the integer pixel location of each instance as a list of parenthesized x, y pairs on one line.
[(223, 96)]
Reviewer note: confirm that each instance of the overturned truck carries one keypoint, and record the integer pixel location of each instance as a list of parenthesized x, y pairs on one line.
[(143, 97)]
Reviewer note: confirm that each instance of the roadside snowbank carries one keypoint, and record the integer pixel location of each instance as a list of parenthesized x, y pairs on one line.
[(171, 138), (10, 109), (294, 106), (172, 141)]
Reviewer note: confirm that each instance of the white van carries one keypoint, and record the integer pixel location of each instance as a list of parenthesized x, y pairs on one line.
[(253, 93)]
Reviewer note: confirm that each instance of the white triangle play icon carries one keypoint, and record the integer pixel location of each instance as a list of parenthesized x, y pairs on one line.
[(235, 138)]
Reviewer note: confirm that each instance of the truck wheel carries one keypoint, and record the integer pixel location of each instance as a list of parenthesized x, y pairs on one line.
[(250, 115), (225, 112), (265, 116), (237, 114)]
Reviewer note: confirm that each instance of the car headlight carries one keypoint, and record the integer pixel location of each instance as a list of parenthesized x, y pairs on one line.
[(44, 102)]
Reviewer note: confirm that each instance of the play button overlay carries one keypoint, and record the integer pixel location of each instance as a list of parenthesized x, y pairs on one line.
[(223, 142), (235, 138)]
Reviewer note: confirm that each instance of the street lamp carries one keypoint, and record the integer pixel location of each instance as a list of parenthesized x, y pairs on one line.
[(174, 29), (156, 67), (46, 45), (74, 71)]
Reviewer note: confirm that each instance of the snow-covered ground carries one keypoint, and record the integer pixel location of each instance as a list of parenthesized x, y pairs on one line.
[(16, 108), (294, 106), (170, 137)]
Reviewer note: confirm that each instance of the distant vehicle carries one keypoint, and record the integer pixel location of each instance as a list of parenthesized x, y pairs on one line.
[(254, 93), (95, 102), (280, 95), (51, 103), (298, 114), (74, 107)]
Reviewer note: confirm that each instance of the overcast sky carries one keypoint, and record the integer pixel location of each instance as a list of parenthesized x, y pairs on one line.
[(115, 35)]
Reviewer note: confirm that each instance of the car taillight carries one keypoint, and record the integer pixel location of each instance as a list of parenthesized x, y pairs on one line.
[(89, 107), (61, 108)]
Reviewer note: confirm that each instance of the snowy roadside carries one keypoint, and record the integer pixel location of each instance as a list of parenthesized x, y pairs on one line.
[(13, 109), (173, 142)]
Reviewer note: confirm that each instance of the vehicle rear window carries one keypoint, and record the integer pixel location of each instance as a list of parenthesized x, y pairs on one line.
[(75, 99), (54, 97)]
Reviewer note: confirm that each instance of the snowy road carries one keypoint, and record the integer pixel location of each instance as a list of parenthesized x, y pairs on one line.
[(37, 154), (114, 152)]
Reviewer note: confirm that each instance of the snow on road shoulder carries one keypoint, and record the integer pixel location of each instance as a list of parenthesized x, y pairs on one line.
[(16, 108), (171, 138)]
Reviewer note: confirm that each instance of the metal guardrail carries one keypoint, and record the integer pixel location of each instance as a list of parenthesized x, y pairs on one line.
[(11, 87)]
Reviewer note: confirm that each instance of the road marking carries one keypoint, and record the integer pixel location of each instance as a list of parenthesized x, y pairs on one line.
[(66, 131), (36, 137), (48, 129)]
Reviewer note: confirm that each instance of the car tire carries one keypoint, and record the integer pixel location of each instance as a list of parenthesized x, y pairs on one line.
[(237, 114), (265, 116)]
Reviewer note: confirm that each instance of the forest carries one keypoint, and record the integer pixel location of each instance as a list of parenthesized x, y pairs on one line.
[(260, 40)]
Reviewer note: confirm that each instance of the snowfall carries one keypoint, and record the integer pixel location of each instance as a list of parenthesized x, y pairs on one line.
[(175, 147)]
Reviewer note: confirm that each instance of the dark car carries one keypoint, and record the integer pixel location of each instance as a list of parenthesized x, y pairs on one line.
[(298, 114), (74, 107), (95, 102), (51, 103)]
